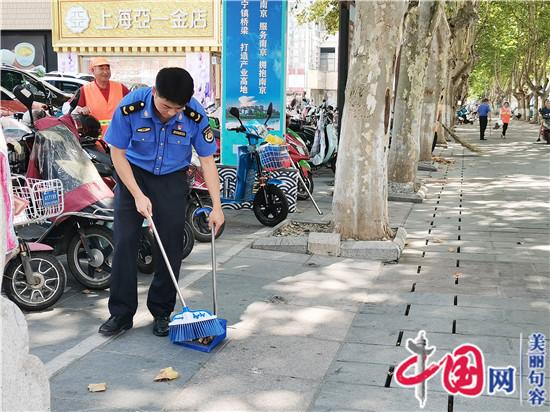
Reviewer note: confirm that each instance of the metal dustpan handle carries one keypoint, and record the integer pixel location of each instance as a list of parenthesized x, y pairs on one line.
[(213, 255)]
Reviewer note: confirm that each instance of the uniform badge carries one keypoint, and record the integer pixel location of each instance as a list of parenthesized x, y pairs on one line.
[(179, 132), (132, 108), (143, 129), (208, 135)]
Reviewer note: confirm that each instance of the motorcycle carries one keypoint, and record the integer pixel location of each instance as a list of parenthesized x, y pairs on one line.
[(81, 231), (325, 145), (299, 154), (34, 278)]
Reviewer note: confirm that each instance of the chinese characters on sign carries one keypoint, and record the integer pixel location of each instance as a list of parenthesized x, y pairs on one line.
[(134, 19), (254, 42), (244, 48), (463, 371), (262, 66), (140, 18), (536, 356)]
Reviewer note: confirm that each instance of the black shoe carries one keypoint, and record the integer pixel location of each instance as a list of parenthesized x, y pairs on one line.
[(482, 138), (115, 324), (160, 325)]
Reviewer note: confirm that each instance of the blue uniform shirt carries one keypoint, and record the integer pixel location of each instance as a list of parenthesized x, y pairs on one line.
[(157, 147), (483, 109)]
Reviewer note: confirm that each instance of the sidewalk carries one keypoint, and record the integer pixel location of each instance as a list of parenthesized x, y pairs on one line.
[(318, 333)]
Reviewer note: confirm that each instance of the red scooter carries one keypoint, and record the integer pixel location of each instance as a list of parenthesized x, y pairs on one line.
[(300, 157)]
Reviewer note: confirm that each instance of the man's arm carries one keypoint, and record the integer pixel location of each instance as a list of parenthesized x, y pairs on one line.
[(210, 174), (125, 173)]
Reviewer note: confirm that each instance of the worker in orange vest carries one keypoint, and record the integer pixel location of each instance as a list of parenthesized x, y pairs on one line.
[(505, 115), (101, 97)]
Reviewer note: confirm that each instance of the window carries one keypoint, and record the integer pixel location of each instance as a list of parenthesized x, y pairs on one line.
[(328, 59), (68, 87), (11, 79)]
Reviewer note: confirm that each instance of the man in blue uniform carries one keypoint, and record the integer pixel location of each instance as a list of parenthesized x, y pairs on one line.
[(483, 111), (151, 136)]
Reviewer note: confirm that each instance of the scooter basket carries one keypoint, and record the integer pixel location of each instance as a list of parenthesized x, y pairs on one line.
[(273, 157), (37, 199)]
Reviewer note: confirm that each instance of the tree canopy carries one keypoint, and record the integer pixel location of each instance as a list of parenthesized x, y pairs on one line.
[(512, 48)]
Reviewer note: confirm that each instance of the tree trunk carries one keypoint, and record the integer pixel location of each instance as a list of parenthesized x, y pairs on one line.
[(405, 147), (429, 105), (360, 203)]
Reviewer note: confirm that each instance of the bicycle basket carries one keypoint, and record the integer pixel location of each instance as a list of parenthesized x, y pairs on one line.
[(37, 199), (274, 157)]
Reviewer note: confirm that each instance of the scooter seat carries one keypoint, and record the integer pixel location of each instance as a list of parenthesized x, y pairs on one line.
[(97, 207)]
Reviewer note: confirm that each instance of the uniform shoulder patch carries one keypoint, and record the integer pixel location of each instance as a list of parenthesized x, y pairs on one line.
[(132, 107), (192, 114), (208, 135)]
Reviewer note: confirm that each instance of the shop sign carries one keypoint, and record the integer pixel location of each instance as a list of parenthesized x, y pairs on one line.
[(135, 19), (254, 42)]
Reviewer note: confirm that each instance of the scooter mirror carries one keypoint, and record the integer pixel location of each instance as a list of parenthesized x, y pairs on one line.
[(24, 95), (234, 112), (75, 100)]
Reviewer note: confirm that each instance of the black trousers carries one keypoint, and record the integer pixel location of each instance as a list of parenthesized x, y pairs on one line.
[(168, 194), (504, 128), (482, 126)]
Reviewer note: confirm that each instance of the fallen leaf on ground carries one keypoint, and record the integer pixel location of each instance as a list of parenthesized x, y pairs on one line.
[(451, 249), (166, 374), (86, 291), (436, 241), (458, 274), (97, 387)]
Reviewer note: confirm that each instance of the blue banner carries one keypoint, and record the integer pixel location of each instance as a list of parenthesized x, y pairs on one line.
[(254, 68)]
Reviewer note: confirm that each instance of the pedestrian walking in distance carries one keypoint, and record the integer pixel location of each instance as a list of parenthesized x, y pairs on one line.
[(505, 115), (152, 134), (483, 112), (545, 122)]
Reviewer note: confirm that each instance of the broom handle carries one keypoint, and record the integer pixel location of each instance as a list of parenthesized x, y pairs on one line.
[(161, 247), (213, 254)]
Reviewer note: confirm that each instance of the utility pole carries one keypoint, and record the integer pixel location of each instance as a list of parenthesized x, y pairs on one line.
[(343, 59)]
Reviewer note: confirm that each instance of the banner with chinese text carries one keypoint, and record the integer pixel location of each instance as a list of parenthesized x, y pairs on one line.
[(254, 50)]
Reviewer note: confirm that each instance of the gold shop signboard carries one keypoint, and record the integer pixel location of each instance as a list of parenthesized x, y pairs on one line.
[(129, 23)]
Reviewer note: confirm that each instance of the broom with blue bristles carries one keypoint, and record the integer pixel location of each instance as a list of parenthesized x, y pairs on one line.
[(188, 324)]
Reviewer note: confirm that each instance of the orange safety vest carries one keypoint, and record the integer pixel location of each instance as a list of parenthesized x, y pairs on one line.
[(100, 108), (505, 114)]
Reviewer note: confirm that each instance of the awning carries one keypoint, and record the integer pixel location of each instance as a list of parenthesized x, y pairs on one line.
[(130, 50)]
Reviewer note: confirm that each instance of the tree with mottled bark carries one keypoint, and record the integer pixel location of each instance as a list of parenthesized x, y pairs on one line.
[(405, 142), (434, 85), (360, 203)]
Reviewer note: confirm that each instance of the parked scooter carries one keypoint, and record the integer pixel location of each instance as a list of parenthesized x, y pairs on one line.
[(81, 231), (299, 154), (34, 278), (269, 203), (324, 147)]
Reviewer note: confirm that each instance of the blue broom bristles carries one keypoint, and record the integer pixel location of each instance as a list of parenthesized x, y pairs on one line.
[(186, 327)]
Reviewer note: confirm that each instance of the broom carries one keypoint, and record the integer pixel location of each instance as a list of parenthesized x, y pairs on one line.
[(188, 324), (467, 145)]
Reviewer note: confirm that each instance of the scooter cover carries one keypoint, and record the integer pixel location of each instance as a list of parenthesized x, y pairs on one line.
[(57, 154)]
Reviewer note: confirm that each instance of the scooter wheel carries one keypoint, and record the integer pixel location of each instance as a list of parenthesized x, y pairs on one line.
[(94, 272), (145, 252), (308, 180), (270, 205), (188, 241), (199, 224), (51, 278)]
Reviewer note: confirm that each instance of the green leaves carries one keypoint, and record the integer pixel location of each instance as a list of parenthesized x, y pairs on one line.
[(321, 11)]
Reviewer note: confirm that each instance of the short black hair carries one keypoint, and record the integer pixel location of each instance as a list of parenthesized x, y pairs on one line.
[(175, 85)]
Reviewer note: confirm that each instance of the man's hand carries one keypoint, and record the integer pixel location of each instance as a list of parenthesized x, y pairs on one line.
[(84, 110), (144, 206), (216, 218)]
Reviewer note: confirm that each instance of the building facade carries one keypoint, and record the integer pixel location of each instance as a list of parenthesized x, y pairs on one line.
[(311, 61), (26, 36)]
